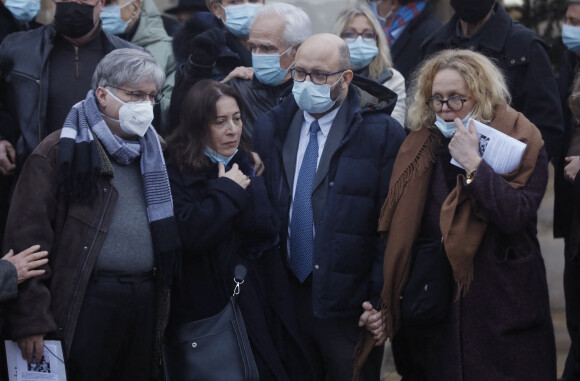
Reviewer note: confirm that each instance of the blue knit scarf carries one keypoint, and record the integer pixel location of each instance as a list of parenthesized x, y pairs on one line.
[(82, 162)]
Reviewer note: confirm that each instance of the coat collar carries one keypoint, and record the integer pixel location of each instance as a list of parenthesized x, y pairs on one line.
[(494, 32)]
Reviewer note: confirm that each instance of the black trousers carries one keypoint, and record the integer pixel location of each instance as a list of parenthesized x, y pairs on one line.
[(114, 336), (417, 352), (331, 342), (572, 299)]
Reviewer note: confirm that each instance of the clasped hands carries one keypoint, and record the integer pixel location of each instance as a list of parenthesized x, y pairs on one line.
[(373, 321)]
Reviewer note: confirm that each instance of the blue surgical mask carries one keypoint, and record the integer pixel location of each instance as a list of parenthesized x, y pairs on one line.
[(239, 18), (217, 158), (448, 128), (361, 52), (313, 98), (267, 68), (373, 6), (571, 37), (23, 10), (112, 21)]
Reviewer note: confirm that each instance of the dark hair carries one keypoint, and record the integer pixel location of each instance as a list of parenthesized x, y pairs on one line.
[(186, 145)]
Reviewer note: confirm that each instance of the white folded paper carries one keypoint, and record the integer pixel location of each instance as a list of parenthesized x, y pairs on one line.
[(50, 368), (500, 151)]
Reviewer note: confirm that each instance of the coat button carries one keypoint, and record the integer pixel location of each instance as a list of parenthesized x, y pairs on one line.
[(331, 183), (194, 345), (85, 248), (512, 61), (523, 59), (316, 267)]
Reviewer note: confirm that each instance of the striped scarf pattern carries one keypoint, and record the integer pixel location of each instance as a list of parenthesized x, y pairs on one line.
[(83, 138)]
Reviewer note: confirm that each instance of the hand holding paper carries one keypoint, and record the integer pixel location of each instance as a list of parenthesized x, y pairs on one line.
[(500, 151)]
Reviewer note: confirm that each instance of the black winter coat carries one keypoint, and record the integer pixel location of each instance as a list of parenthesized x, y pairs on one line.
[(212, 55), (222, 225), (564, 192), (231, 54), (522, 57), (350, 186)]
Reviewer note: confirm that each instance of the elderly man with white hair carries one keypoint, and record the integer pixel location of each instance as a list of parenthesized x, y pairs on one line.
[(278, 30)]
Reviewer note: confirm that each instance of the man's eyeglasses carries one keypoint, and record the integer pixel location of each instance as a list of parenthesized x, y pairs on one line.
[(455, 103), (318, 78), (351, 34), (139, 96)]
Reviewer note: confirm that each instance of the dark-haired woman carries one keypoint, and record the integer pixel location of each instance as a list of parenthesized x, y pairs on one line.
[(225, 218)]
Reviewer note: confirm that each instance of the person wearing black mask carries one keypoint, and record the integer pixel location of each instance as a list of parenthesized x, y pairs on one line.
[(485, 26), (43, 73)]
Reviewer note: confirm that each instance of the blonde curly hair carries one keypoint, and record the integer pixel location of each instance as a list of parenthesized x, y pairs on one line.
[(485, 82)]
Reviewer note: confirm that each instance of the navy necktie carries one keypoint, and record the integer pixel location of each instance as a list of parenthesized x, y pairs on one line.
[(302, 223)]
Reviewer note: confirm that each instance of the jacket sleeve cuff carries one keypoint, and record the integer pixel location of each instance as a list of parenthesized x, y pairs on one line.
[(8, 281)]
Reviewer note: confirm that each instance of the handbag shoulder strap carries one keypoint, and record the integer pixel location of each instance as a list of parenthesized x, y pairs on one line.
[(239, 275)]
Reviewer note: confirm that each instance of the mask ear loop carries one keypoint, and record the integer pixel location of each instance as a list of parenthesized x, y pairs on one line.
[(224, 8), (283, 53), (131, 18)]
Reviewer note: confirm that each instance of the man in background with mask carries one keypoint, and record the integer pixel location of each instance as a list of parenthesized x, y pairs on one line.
[(328, 164), (234, 20), (485, 26), (407, 24), (140, 22), (566, 201), (17, 15), (208, 51), (43, 72)]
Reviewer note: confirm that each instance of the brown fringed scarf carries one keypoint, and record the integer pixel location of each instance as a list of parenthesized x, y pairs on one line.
[(462, 223)]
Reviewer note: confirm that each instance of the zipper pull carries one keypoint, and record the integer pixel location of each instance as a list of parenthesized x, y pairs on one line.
[(76, 61)]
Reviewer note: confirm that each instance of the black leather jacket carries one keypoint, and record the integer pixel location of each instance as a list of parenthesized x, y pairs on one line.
[(24, 76)]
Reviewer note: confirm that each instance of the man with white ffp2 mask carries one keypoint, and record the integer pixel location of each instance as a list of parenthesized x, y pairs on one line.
[(139, 22), (109, 227)]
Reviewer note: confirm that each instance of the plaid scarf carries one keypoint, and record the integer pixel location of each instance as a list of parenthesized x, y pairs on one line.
[(83, 161), (403, 17)]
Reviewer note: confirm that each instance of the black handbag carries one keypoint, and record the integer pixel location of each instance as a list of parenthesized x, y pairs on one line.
[(427, 295), (216, 348)]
